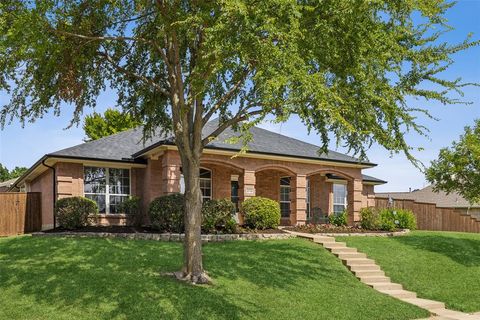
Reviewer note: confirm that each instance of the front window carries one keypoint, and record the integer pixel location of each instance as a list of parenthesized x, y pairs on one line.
[(285, 197), (234, 197), (108, 187), (339, 198), (206, 184)]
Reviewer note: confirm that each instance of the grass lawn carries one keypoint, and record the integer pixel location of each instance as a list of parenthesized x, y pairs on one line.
[(443, 266), (82, 278)]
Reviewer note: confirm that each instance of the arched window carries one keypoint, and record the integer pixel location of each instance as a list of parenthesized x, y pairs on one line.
[(206, 184)]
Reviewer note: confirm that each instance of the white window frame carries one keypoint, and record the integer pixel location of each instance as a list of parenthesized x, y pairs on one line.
[(211, 184), (289, 202), (344, 203), (107, 193)]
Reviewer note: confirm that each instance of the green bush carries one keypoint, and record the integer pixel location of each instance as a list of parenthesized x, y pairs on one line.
[(75, 212), (261, 213), (406, 219), (216, 214), (131, 206), (369, 219), (166, 213), (386, 220), (339, 219)]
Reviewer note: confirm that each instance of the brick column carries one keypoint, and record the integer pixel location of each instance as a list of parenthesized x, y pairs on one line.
[(247, 187), (354, 189), (170, 173), (298, 198)]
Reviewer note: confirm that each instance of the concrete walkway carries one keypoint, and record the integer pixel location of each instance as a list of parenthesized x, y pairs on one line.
[(368, 272)]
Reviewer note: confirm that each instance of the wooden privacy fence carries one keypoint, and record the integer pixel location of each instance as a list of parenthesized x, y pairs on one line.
[(20, 213), (431, 217)]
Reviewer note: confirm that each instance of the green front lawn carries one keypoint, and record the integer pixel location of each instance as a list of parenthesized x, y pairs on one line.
[(443, 266), (65, 278)]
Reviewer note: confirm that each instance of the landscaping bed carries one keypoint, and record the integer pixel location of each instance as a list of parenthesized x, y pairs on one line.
[(131, 229), (442, 266), (82, 278), (332, 229)]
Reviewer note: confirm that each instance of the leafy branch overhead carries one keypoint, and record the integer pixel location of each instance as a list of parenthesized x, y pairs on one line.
[(344, 68)]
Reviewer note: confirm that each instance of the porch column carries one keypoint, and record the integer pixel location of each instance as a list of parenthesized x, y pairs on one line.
[(247, 187), (354, 189), (171, 173), (298, 201)]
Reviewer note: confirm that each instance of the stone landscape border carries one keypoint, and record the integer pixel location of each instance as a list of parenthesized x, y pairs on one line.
[(172, 237), (365, 234)]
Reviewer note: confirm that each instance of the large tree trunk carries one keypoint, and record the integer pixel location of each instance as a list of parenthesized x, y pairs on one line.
[(192, 264)]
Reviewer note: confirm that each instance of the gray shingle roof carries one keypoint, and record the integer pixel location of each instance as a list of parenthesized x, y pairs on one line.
[(372, 179), (128, 145), (427, 195)]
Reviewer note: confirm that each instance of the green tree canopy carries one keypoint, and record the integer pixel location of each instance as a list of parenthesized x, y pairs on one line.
[(5, 174), (457, 168), (97, 126), (343, 67)]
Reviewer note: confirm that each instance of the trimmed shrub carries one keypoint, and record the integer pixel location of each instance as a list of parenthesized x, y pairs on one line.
[(339, 219), (369, 219), (216, 214), (166, 213), (406, 219), (386, 220), (131, 206), (261, 213), (75, 212)]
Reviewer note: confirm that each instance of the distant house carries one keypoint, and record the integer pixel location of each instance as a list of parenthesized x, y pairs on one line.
[(7, 185), (441, 199), (306, 183)]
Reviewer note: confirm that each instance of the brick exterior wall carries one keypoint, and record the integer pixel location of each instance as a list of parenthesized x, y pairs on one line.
[(256, 176)]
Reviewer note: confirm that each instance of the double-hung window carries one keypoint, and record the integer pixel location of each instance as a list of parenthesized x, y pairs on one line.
[(285, 197), (206, 184), (108, 187), (339, 198)]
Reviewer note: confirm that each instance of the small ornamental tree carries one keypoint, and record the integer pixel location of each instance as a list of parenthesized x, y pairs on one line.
[(457, 168), (343, 67)]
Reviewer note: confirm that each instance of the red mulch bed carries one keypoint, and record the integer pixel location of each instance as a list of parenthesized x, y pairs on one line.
[(127, 229), (329, 228)]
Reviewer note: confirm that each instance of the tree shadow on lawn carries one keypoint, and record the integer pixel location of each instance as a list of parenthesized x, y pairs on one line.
[(460, 249), (120, 278), (101, 278)]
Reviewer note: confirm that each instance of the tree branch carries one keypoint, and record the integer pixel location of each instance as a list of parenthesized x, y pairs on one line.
[(225, 97), (123, 70), (240, 116)]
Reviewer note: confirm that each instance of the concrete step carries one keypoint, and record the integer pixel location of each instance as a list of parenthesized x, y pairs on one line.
[(353, 255), (451, 314), (369, 273), (375, 279), (425, 303), (399, 294), (364, 267), (322, 240), (342, 250), (357, 261), (385, 286), (331, 245)]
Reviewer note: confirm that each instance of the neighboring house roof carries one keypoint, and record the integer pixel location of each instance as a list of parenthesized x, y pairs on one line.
[(7, 184), (427, 195), (128, 145)]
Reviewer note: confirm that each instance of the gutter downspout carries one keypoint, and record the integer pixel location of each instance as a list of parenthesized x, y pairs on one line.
[(54, 180)]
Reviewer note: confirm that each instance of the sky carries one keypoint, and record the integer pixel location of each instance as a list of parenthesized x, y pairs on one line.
[(24, 146)]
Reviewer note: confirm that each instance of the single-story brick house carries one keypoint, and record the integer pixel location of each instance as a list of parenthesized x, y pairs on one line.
[(292, 172)]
